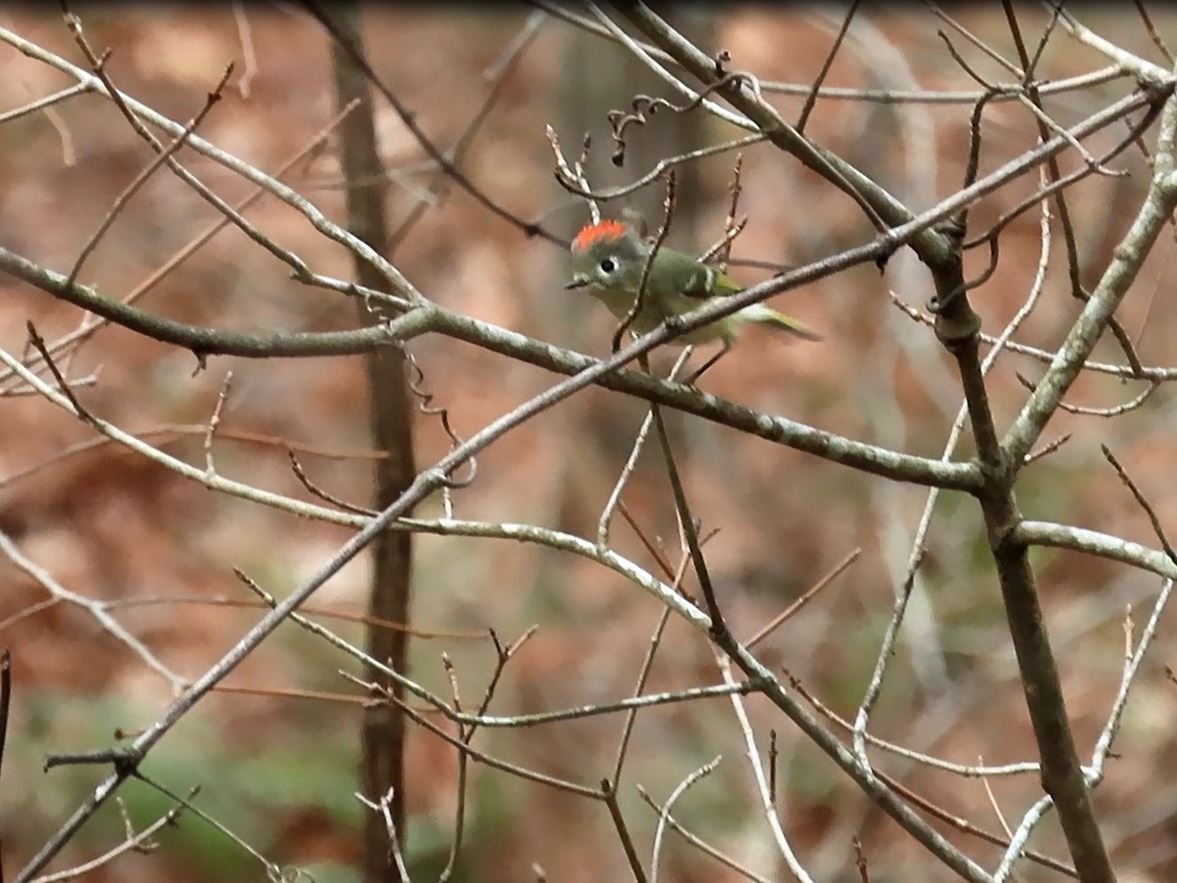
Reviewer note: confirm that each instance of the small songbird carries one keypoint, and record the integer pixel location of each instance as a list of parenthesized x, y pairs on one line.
[(608, 259)]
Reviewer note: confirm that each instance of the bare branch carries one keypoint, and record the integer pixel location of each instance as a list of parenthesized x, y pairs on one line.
[(686, 783), (1152, 32), (43, 103), (699, 843), (1142, 501), (1099, 309), (444, 162), (806, 596), (762, 790), (1146, 72), (394, 848), (1045, 533), (131, 189), (640, 295), (95, 608), (811, 98), (631, 853), (140, 841)]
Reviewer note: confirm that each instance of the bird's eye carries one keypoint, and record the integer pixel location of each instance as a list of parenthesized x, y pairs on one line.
[(608, 265)]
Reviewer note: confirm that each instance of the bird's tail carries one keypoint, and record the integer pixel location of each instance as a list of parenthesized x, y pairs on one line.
[(763, 315)]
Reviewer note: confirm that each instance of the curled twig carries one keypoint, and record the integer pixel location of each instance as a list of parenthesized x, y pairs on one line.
[(415, 379), (642, 107)]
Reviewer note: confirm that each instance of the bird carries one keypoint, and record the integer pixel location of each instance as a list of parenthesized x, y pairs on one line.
[(608, 259)]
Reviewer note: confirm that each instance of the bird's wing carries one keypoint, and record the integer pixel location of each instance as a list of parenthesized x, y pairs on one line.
[(704, 281)]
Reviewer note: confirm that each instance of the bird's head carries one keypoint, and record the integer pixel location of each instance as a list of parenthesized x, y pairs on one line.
[(608, 255)]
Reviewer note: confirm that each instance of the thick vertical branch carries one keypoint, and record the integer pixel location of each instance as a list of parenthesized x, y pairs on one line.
[(958, 327), (1062, 775), (391, 427)]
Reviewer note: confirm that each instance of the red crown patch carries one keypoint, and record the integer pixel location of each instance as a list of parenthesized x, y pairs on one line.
[(594, 232)]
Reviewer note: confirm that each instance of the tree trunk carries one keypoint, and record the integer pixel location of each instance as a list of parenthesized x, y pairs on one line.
[(382, 764)]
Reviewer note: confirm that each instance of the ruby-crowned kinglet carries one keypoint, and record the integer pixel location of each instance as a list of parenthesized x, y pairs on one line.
[(608, 259)]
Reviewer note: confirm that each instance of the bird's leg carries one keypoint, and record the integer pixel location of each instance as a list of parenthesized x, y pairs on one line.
[(723, 350)]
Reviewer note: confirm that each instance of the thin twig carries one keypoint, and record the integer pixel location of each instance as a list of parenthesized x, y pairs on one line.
[(1111, 411), (1103, 745), (91, 323), (1047, 449), (496, 77), (875, 685), (752, 754), (128, 109), (1028, 79), (569, 182), (16, 391), (135, 842), (732, 227), (39, 344), (503, 655), (1152, 32), (131, 189), (322, 494), (1159, 373), (394, 848), (678, 792), (43, 103), (687, 525), (659, 239), (811, 99), (245, 36), (975, 40), (960, 769), (965, 826), (721, 250), (5, 701), (214, 423), (1142, 501), (809, 594), (483, 757), (627, 844), (447, 165), (773, 764), (699, 843), (95, 608), (606, 518), (691, 694), (835, 93), (860, 861), (993, 802), (1034, 102), (1132, 662), (643, 675), (272, 868), (572, 178), (1059, 184)]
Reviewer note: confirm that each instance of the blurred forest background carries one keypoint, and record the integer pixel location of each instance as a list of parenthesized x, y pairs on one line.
[(279, 769)]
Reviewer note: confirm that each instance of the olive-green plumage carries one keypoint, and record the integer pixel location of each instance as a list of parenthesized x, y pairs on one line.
[(608, 260)]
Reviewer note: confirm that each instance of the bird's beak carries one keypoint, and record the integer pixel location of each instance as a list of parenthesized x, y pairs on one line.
[(577, 282)]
